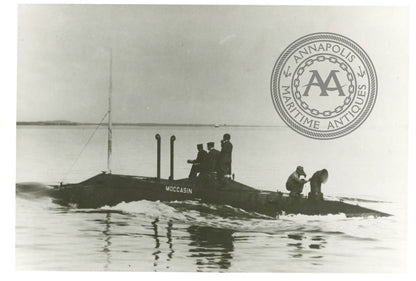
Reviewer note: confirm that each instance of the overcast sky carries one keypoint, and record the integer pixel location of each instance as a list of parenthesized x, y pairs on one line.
[(182, 64)]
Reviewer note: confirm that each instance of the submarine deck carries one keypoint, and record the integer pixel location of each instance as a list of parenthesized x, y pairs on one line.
[(112, 189)]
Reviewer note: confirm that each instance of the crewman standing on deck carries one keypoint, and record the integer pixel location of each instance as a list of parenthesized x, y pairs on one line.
[(294, 183), (224, 161), (199, 165), (213, 156)]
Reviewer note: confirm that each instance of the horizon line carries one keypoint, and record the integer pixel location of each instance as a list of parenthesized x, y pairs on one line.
[(71, 123)]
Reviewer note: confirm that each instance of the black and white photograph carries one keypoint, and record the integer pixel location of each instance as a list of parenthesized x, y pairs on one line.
[(211, 138)]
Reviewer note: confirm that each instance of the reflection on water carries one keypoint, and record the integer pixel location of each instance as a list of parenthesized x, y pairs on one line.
[(212, 247), (169, 236), (209, 248), (157, 251), (157, 243), (107, 240), (127, 239), (301, 243)]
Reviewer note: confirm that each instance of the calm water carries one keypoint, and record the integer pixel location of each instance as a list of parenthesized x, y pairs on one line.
[(189, 236)]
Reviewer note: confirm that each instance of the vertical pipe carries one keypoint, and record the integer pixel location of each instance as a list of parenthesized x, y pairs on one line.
[(172, 139), (157, 136)]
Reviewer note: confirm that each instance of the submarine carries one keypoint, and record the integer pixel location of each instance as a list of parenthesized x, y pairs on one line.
[(108, 189)]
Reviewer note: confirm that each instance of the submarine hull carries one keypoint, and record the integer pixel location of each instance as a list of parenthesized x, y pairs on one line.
[(111, 189)]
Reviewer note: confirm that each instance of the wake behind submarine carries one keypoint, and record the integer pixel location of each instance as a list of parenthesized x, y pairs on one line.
[(108, 189)]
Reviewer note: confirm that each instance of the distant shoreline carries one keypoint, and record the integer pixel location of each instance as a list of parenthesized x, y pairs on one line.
[(69, 123)]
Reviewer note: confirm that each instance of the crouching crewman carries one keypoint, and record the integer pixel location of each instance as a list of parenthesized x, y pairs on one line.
[(295, 184)]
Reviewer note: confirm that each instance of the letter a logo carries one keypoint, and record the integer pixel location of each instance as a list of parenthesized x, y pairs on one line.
[(324, 85)]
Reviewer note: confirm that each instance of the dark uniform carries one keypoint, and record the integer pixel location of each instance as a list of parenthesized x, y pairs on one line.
[(316, 181), (200, 163), (213, 156), (224, 161), (294, 183)]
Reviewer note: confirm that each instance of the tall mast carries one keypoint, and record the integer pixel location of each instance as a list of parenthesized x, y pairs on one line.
[(110, 134)]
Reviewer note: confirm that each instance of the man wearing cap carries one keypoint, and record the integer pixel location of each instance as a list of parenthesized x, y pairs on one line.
[(294, 183), (213, 156), (224, 160), (199, 165)]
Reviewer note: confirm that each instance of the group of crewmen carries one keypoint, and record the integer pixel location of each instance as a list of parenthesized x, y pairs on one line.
[(214, 162), (217, 164)]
